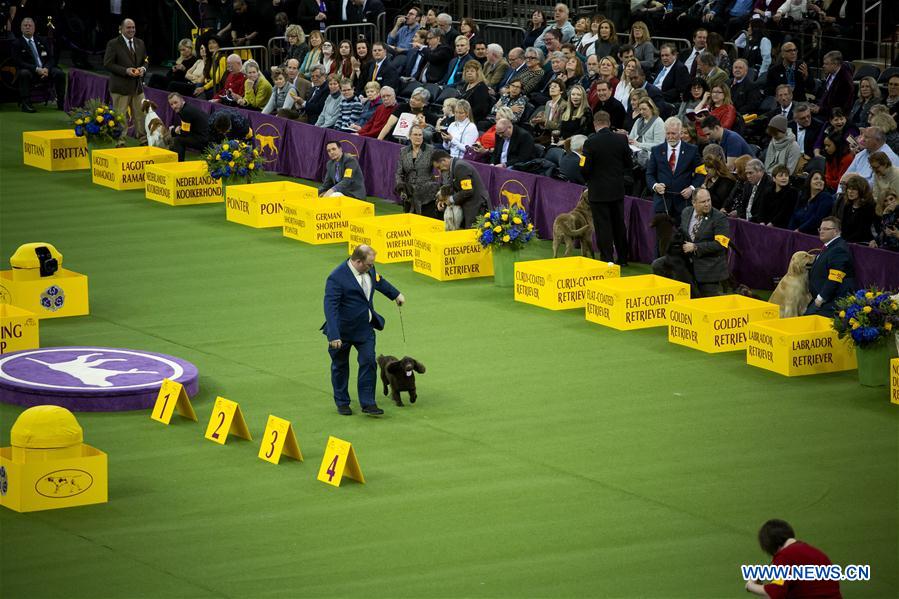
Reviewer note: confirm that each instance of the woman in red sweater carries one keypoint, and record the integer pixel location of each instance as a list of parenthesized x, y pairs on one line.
[(719, 104), (837, 160)]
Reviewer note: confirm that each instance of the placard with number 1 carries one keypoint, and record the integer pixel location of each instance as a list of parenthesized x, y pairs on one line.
[(172, 395)]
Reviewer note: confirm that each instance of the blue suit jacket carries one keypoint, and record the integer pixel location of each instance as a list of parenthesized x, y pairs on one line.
[(346, 307), (684, 175)]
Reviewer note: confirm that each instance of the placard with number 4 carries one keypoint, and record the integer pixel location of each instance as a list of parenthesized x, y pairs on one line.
[(339, 461), (277, 440)]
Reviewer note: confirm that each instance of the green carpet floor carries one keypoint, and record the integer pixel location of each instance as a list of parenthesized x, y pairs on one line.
[(546, 457)]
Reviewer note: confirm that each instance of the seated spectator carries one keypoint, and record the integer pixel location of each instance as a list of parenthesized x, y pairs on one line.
[(696, 95), (461, 133), (581, 28), (814, 203), (837, 126), (350, 107), (468, 27), (746, 94), (605, 71), (244, 27), (624, 88), (868, 96), (555, 71), (379, 69), (603, 100), (710, 71), (547, 120), (750, 202), (331, 110), (455, 70), (307, 106), (789, 71), (632, 109), (756, 44), (560, 25), (533, 74), (573, 73), (892, 99), (886, 176), (228, 124), (192, 128), (371, 103), (344, 65), (688, 133), (400, 38), (233, 88), (214, 70), (193, 77), (718, 103), (718, 179), (257, 89), (586, 45), (416, 106), (178, 72), (732, 143), (838, 87), (855, 209), (644, 50), (495, 67), (379, 125), (296, 44), (887, 224), (328, 59), (638, 81), (648, 130), (736, 195), (280, 93), (879, 117), (873, 140), (781, 202), (672, 78), (837, 160), (715, 47), (362, 54), (482, 149), (536, 26), (806, 128), (514, 100), (313, 55), (577, 118), (415, 183), (782, 149), (513, 145), (473, 89), (607, 42), (436, 56)]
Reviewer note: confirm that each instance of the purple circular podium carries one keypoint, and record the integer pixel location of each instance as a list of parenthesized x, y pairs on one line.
[(90, 379)]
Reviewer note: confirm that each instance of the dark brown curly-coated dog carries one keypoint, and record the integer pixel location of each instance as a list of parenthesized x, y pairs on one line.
[(574, 225), (398, 374)]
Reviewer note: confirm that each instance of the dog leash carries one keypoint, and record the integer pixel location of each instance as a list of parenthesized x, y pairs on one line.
[(402, 325)]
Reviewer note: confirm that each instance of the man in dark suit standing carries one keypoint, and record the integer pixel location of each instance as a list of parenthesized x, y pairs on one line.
[(514, 144), (673, 78), (671, 171), (351, 320), (833, 272), (469, 190), (193, 129), (708, 233), (34, 61), (607, 160), (126, 60), (343, 176), (838, 86)]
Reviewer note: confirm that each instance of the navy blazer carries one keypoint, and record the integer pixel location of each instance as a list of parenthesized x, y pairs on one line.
[(684, 175), (833, 273), (347, 308)]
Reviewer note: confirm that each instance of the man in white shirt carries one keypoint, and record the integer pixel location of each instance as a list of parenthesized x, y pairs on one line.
[(690, 56), (34, 62), (873, 140)]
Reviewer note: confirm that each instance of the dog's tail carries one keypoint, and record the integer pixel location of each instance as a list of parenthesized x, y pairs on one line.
[(580, 232)]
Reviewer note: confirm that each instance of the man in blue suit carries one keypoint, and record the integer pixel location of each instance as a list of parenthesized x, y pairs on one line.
[(671, 171), (351, 320), (832, 275)]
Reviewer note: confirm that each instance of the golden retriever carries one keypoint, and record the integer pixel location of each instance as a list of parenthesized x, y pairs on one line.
[(791, 293)]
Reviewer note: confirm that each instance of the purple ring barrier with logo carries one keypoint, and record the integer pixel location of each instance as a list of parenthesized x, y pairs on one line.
[(90, 379), (758, 253)]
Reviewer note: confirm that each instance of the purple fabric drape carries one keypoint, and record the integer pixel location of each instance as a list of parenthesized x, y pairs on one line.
[(758, 254)]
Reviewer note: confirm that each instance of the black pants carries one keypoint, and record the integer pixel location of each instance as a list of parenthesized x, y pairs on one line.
[(608, 221), (180, 143), (28, 78)]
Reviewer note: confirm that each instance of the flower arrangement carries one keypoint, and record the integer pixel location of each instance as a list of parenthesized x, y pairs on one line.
[(233, 158), (866, 317), (97, 122), (506, 227)]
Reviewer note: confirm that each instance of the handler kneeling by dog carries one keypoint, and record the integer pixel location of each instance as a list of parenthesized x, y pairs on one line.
[(708, 232), (351, 320)]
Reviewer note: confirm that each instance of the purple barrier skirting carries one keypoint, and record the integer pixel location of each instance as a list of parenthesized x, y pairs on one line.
[(758, 254)]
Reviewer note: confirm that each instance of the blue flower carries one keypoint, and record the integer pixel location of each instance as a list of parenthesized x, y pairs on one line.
[(852, 310), (860, 294), (216, 174), (227, 171), (242, 171), (79, 130), (226, 155), (93, 128), (514, 233), (487, 237)]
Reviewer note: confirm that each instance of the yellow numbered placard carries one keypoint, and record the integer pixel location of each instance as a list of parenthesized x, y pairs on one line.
[(171, 396), (226, 419), (339, 461), (277, 440)]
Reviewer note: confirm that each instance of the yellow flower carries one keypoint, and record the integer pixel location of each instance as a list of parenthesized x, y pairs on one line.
[(251, 166), (888, 326), (488, 224), (505, 210), (99, 119), (231, 163), (218, 156), (497, 229), (531, 227), (869, 295), (866, 309), (110, 124), (505, 217), (100, 110), (237, 154), (224, 146), (255, 152), (486, 215), (855, 326), (79, 122), (893, 305), (842, 314), (506, 238), (516, 220), (853, 321)]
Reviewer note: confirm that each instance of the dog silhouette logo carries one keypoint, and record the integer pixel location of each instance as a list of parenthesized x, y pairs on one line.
[(514, 193), (268, 141), (53, 298), (350, 148), (62, 484)]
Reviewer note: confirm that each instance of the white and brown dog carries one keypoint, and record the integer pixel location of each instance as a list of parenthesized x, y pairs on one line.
[(158, 134)]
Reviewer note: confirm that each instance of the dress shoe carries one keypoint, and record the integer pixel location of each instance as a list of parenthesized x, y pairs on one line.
[(373, 410), (28, 108), (344, 410)]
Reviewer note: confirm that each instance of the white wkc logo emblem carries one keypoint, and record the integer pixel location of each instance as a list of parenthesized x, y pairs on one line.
[(90, 373)]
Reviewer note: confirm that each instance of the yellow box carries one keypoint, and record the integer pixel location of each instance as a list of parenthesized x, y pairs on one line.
[(55, 150), (259, 205), (18, 329), (451, 255), (894, 381), (391, 236), (798, 346), (46, 485), (629, 303), (559, 283), (322, 220), (123, 168), (716, 324), (63, 294), (182, 184)]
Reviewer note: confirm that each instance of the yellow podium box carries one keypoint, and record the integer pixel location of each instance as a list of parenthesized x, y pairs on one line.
[(451, 255), (55, 150), (716, 324), (629, 303), (52, 484), (259, 205), (123, 168), (798, 346), (559, 283), (894, 381), (18, 329), (57, 296), (182, 184), (322, 220), (391, 236)]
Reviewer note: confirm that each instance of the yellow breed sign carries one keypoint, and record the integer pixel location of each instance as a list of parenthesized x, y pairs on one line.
[(18, 329), (559, 283), (630, 303), (182, 184), (716, 324), (451, 255), (55, 150), (391, 236), (260, 205), (798, 346), (894, 381), (46, 484), (322, 220), (63, 294), (123, 168)]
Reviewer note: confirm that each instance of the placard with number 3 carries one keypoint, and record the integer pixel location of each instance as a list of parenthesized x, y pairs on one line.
[(277, 440)]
